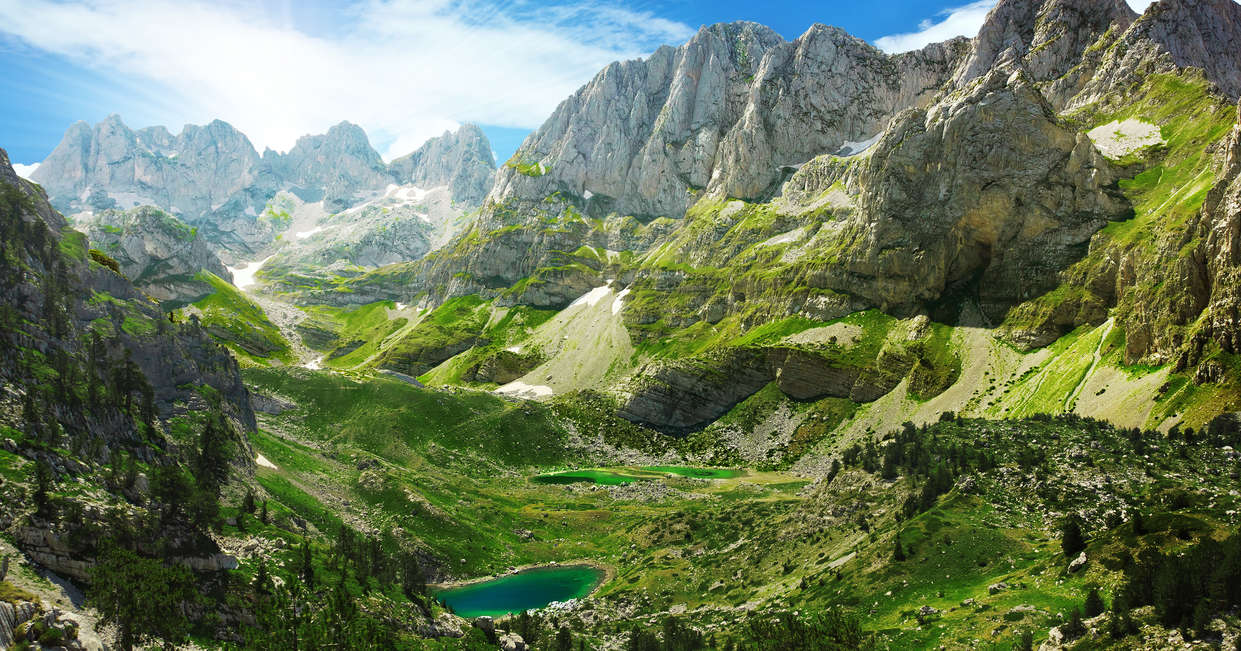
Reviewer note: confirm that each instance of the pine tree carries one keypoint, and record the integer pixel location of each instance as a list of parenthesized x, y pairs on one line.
[(262, 580), (1094, 603), (247, 502), (898, 554), (564, 639), (1026, 642), (1139, 525), (306, 568), (1074, 628), (43, 488), (263, 513), (1071, 539)]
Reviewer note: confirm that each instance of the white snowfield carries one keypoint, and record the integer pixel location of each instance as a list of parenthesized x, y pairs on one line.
[(619, 301), (301, 235), (859, 147), (243, 276), (262, 461), (592, 297), (522, 390), (1118, 139)]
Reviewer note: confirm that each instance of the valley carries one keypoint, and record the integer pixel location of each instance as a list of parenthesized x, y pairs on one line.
[(755, 344)]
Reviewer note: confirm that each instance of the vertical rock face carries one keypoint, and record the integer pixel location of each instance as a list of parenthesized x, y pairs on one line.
[(340, 163), (1174, 34), (730, 112), (1219, 228), (1046, 38), (462, 160), (986, 185)]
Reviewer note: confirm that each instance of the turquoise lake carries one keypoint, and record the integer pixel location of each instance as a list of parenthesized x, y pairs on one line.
[(525, 590)]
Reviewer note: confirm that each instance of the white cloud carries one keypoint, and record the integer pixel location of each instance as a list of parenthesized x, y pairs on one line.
[(405, 70), (949, 23), (1140, 5), (25, 171)]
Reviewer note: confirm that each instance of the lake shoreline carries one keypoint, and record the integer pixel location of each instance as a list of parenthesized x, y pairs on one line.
[(609, 573)]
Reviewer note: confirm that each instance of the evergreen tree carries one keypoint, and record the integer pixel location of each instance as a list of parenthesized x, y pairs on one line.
[(564, 639), (43, 488), (1071, 539), (898, 554), (144, 599), (305, 567), (1139, 525), (1026, 642), (263, 513), (247, 502), (1075, 627), (1094, 603)]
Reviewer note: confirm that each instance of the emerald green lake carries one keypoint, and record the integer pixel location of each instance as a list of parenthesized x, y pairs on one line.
[(525, 590), (612, 477)]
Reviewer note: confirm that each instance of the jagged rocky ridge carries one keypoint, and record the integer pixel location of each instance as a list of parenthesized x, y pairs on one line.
[(212, 178)]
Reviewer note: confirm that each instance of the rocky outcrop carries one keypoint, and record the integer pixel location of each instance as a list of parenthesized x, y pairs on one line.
[(461, 160), (986, 187), (26, 624), (678, 397), (1218, 230), (157, 252), (62, 297), (504, 366), (730, 112)]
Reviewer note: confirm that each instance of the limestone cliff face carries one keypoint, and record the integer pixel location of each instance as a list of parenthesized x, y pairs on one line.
[(1219, 254), (157, 252), (1047, 39), (337, 167), (1173, 34), (729, 113), (461, 160), (985, 187)]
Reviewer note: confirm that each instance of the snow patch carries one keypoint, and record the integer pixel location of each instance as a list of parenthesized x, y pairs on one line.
[(592, 297), (243, 276), (619, 301), (513, 349), (25, 171), (854, 148), (401, 306), (314, 364), (522, 390), (794, 235), (301, 235), (1118, 139), (262, 461)]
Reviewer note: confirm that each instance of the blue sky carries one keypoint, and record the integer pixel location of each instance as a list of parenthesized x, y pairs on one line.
[(403, 69)]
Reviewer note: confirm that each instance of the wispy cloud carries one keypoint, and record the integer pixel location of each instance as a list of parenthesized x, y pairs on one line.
[(403, 69), (947, 24)]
